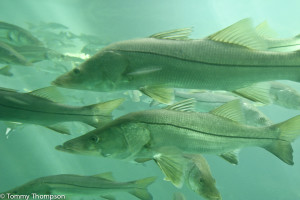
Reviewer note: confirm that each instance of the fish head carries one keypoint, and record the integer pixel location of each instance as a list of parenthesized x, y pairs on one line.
[(107, 141), (102, 72), (35, 186), (203, 184)]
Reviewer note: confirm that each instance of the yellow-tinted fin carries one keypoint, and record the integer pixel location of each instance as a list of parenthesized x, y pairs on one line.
[(231, 157), (159, 93), (232, 110), (265, 31), (187, 105), (140, 188), (176, 34), (259, 92), (178, 196), (6, 71), (241, 33), (60, 128), (108, 197), (172, 165), (50, 93), (106, 175), (289, 130)]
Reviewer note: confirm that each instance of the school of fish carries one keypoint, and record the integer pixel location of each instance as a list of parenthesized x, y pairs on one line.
[(212, 88)]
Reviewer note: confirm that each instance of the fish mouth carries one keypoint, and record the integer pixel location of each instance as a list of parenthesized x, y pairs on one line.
[(64, 149)]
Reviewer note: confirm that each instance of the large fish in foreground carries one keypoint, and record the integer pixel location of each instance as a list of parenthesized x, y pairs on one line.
[(146, 134), (68, 185), (232, 58), (36, 108)]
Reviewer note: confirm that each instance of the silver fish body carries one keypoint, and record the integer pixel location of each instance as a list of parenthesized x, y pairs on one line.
[(76, 185), (29, 108)]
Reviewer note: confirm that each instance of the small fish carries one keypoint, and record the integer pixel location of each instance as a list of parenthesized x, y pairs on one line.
[(272, 93), (199, 179), (5, 71), (208, 100), (232, 58), (36, 108), (9, 55), (17, 36), (76, 185), (145, 135)]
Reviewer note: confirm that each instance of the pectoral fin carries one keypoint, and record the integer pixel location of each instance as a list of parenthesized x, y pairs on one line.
[(159, 93), (231, 157), (60, 128), (172, 165), (108, 197), (106, 175)]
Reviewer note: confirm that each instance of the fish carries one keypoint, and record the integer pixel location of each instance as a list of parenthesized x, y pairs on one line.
[(36, 108), (221, 132), (232, 58), (5, 70), (273, 92), (68, 185), (199, 178), (15, 35), (207, 100), (9, 55)]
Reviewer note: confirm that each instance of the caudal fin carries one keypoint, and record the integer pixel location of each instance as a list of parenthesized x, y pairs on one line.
[(288, 131), (140, 188), (99, 114)]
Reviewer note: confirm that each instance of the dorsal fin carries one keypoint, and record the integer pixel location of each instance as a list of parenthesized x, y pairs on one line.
[(187, 105), (176, 34), (241, 33), (51, 93), (232, 110), (106, 175), (265, 31)]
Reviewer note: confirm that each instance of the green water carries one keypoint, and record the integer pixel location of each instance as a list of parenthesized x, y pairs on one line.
[(28, 152)]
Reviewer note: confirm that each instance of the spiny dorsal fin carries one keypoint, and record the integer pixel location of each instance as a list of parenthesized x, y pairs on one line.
[(187, 105), (176, 34), (232, 110), (241, 33), (51, 93), (106, 175), (265, 31)]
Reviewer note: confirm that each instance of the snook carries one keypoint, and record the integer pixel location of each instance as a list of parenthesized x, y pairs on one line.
[(232, 58)]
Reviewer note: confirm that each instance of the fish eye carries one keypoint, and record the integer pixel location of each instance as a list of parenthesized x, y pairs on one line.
[(95, 139), (76, 71), (201, 180)]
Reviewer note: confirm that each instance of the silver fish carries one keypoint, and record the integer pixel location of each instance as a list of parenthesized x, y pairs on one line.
[(75, 185), (36, 108), (147, 134), (232, 58)]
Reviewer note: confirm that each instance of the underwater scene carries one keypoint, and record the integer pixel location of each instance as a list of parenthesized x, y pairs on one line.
[(163, 100)]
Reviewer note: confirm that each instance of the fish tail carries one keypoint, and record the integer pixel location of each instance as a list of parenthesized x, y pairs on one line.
[(289, 130), (99, 114), (140, 188)]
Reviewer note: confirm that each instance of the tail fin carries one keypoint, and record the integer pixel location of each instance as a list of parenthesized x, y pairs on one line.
[(289, 131), (99, 114), (140, 188)]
